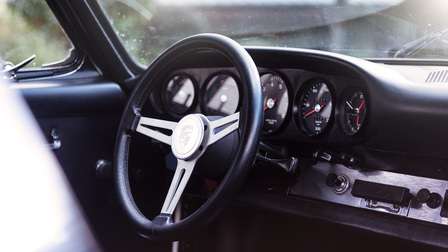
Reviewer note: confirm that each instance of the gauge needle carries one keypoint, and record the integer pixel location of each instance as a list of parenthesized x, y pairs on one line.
[(312, 111), (360, 106), (357, 117), (270, 104), (349, 104)]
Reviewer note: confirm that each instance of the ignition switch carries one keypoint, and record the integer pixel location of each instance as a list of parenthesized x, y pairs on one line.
[(339, 183)]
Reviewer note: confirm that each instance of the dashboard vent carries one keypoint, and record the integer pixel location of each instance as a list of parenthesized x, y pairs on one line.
[(437, 76)]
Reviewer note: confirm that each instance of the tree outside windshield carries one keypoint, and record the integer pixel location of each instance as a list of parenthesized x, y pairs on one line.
[(365, 29)]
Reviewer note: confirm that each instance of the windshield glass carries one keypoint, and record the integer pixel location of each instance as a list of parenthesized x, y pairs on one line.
[(360, 28)]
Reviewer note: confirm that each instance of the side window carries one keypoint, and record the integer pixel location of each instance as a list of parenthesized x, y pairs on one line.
[(28, 27)]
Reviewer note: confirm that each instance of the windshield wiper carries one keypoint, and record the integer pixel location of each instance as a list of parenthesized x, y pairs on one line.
[(414, 46), (10, 71)]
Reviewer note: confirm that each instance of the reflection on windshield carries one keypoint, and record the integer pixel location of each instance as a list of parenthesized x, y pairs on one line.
[(360, 28)]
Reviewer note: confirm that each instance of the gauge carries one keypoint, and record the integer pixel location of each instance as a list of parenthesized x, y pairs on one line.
[(353, 111), (179, 94), (221, 95), (275, 101), (315, 107)]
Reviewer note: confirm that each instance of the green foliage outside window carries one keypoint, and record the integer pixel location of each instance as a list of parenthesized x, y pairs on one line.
[(28, 27)]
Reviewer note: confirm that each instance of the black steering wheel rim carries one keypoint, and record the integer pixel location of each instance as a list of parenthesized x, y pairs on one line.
[(250, 127)]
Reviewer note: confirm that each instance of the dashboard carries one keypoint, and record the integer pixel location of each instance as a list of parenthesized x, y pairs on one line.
[(355, 133)]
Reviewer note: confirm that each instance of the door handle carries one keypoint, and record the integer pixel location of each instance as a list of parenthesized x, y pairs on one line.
[(55, 140)]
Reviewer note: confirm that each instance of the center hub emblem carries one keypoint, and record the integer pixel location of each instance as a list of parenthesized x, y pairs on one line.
[(185, 134), (187, 137)]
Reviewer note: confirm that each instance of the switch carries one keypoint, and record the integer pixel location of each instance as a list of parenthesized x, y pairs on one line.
[(338, 183)]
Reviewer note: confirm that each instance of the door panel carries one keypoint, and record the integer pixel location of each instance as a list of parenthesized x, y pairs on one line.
[(85, 111)]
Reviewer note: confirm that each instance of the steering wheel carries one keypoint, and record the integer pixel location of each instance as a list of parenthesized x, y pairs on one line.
[(190, 138)]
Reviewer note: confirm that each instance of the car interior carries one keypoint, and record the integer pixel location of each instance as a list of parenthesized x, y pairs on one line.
[(231, 126)]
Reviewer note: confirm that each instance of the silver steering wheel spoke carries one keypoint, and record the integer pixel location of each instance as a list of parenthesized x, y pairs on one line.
[(145, 122), (178, 184), (222, 127)]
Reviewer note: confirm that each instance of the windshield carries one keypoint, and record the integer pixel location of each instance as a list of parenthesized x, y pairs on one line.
[(360, 28)]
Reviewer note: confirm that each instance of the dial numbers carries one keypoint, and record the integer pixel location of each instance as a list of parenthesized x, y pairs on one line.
[(315, 108)]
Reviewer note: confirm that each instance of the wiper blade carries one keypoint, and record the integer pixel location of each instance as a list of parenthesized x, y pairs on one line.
[(414, 46), (10, 72)]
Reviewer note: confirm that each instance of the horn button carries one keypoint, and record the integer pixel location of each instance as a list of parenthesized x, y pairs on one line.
[(187, 137)]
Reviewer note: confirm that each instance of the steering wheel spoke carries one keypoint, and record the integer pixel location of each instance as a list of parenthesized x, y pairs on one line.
[(178, 184), (145, 125), (222, 127)]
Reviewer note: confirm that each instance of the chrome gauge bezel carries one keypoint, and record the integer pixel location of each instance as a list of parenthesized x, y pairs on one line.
[(205, 92), (341, 111), (287, 116), (167, 102), (298, 103)]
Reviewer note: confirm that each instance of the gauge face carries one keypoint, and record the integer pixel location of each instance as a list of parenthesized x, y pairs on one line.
[(221, 95), (275, 101), (315, 108), (353, 111), (179, 94)]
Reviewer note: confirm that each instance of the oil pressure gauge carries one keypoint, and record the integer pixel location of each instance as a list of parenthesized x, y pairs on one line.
[(220, 95), (353, 110), (179, 94)]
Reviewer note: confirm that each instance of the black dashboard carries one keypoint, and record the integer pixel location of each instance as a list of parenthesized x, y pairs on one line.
[(363, 127)]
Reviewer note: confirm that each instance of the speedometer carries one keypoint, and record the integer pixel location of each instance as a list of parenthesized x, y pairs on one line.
[(315, 107), (275, 101)]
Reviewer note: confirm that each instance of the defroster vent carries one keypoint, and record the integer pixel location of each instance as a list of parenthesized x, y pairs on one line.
[(437, 77)]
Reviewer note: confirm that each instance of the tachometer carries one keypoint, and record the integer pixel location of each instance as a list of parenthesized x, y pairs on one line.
[(315, 107), (353, 111), (221, 95), (275, 100)]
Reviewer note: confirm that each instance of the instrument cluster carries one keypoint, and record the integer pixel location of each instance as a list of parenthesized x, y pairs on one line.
[(313, 104)]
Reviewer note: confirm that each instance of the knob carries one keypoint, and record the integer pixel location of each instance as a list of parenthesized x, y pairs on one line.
[(432, 200), (338, 183)]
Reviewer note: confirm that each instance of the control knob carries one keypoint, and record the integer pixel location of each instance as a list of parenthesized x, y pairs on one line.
[(432, 200)]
